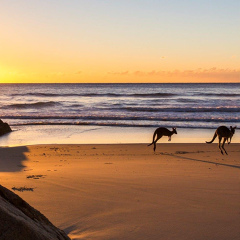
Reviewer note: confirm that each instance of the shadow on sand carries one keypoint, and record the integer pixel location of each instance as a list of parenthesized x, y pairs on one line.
[(200, 160), (11, 158)]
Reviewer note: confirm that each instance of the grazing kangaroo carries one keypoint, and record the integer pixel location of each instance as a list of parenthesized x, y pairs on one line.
[(162, 132), (225, 133)]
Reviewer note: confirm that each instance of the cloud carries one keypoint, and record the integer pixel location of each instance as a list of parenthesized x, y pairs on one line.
[(197, 73), (120, 73)]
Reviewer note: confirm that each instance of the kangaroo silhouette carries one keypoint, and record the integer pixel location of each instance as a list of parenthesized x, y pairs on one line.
[(225, 133), (161, 131)]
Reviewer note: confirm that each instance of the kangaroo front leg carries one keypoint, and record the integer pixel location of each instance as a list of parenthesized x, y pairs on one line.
[(224, 140), (169, 138)]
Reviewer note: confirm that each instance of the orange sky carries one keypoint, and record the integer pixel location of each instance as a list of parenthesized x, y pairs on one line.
[(119, 41)]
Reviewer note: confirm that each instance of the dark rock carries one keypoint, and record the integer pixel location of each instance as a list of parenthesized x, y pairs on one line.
[(20, 221), (4, 128)]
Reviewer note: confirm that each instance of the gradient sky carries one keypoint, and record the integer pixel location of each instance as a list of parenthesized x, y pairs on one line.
[(119, 41)]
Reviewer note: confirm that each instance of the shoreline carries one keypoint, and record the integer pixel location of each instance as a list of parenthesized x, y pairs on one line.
[(32, 135)]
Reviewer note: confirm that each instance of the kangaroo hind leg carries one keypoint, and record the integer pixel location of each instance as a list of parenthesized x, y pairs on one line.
[(224, 140), (219, 145), (158, 137)]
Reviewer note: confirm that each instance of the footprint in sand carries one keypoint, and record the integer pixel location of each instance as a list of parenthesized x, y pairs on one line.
[(21, 189), (36, 176)]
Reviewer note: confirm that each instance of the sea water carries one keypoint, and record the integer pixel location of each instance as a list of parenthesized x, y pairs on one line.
[(55, 111)]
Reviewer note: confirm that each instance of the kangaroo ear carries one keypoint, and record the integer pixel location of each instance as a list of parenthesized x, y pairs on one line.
[(230, 127)]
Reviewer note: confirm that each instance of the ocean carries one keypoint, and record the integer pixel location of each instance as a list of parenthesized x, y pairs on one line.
[(124, 106)]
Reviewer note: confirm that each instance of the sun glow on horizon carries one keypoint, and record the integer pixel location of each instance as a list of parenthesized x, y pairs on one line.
[(120, 41)]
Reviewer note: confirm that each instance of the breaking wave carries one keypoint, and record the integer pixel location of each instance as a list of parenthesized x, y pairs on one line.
[(31, 105)]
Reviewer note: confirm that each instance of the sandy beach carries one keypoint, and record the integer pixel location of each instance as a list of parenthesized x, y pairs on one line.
[(125, 191)]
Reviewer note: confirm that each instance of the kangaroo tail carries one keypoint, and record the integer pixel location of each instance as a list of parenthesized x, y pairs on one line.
[(153, 139), (214, 136)]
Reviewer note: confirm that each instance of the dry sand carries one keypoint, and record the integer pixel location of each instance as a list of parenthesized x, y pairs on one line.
[(183, 191)]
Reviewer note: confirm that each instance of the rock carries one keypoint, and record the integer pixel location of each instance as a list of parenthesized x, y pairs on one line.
[(20, 221), (4, 128)]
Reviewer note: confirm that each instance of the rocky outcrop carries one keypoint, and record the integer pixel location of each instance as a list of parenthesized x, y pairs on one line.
[(20, 221), (4, 128)]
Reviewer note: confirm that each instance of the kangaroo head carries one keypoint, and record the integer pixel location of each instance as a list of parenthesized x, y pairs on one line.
[(174, 130), (232, 129)]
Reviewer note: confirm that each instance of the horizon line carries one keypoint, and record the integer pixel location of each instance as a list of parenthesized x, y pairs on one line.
[(122, 83)]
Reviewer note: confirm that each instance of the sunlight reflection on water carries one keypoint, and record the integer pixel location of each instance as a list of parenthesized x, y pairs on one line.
[(30, 135)]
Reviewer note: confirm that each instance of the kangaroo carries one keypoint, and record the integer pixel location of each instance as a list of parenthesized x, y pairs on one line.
[(161, 131), (225, 133)]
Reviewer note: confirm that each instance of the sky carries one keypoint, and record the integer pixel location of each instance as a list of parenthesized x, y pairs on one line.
[(60, 41)]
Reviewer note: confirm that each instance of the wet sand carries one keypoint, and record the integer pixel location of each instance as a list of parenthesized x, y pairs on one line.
[(126, 191), (60, 134)]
